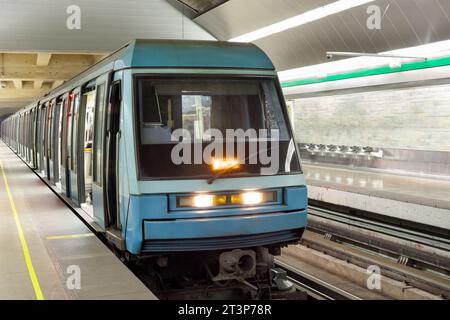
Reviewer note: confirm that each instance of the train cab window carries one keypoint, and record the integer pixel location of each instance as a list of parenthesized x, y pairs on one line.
[(198, 105)]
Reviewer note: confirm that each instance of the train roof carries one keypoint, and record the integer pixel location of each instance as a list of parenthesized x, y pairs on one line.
[(193, 54)]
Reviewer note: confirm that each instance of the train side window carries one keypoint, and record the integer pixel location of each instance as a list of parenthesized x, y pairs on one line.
[(99, 133)]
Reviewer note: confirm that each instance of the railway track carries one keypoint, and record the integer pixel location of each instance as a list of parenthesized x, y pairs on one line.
[(419, 259), (314, 287), (423, 250)]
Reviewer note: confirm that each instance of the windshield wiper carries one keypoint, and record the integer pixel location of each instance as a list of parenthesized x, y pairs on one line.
[(225, 171), (218, 175)]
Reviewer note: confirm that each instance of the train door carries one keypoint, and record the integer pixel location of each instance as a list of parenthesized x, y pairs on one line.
[(25, 136), (51, 141), (73, 146), (33, 137), (44, 139), (64, 146), (87, 111), (98, 150), (37, 138), (13, 132), (112, 156), (20, 135), (28, 137), (56, 142), (42, 116), (29, 115)]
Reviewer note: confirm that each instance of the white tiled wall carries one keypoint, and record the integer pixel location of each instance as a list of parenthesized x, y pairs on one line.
[(413, 118)]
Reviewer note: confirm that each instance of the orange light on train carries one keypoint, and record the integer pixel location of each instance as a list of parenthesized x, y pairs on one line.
[(224, 164)]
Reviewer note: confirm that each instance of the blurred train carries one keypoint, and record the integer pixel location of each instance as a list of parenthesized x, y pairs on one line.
[(104, 142)]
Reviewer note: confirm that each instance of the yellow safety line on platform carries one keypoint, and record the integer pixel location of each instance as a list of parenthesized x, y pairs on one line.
[(71, 236), (23, 241)]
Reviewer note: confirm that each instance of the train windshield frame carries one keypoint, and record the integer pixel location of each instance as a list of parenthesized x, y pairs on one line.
[(198, 105)]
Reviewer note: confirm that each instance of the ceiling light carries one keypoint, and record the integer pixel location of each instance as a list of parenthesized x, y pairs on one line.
[(429, 51), (304, 18), (395, 64), (321, 75)]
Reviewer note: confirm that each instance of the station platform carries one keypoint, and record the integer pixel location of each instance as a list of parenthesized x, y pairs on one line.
[(46, 251), (419, 199)]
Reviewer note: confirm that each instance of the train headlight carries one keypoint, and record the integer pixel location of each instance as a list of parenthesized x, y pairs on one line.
[(252, 198), (248, 198), (203, 201)]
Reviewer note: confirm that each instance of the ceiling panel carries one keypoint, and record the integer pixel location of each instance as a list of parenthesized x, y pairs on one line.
[(40, 26), (237, 17), (30, 25), (407, 23), (201, 6)]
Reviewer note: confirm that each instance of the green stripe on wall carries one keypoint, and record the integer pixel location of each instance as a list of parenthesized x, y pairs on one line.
[(440, 62)]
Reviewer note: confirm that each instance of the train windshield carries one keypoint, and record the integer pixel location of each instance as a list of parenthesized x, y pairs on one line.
[(200, 127)]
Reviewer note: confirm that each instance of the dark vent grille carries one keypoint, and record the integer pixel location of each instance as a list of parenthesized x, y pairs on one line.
[(203, 244)]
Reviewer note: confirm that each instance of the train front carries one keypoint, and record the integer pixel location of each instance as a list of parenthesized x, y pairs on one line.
[(218, 171)]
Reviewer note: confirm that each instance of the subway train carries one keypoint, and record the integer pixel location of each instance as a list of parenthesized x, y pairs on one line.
[(173, 148)]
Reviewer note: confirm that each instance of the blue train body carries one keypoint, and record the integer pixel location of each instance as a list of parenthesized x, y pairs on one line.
[(141, 214)]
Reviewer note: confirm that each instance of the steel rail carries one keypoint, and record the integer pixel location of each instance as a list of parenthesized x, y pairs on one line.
[(315, 287), (384, 228)]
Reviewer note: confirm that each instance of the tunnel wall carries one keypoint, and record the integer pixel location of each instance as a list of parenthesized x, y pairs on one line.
[(410, 118)]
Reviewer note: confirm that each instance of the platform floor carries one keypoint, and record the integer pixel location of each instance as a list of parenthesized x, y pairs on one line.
[(46, 251), (410, 189)]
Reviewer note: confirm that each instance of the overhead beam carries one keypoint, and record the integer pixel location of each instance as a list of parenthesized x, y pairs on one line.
[(43, 59), (29, 76), (25, 66), (17, 83), (12, 94), (57, 83), (38, 83), (38, 73)]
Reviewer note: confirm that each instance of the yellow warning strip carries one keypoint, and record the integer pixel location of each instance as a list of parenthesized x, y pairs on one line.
[(26, 252), (71, 236)]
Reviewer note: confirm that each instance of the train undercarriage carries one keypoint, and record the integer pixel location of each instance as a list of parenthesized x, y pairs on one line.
[(248, 274)]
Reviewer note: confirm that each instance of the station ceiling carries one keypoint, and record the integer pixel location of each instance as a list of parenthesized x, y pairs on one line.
[(404, 23), (38, 51), (199, 7)]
